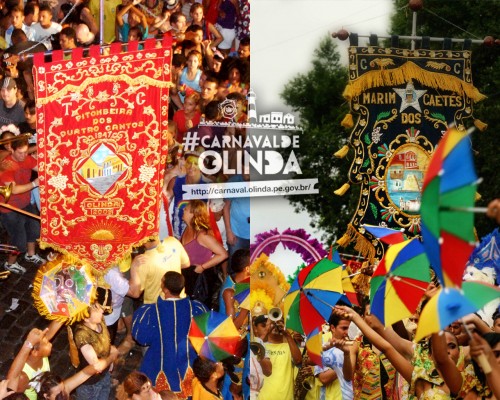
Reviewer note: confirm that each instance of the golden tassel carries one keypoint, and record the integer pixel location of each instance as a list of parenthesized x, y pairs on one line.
[(342, 152), (347, 122), (342, 190), (480, 125), (477, 196)]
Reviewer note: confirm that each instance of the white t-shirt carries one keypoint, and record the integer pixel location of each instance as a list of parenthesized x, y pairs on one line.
[(44, 34), (334, 359)]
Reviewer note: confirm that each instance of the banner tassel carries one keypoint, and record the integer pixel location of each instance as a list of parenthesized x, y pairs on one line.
[(480, 125), (342, 152), (342, 190), (347, 122)]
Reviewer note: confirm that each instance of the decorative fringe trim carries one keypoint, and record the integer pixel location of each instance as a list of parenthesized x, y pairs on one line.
[(362, 245), (347, 122), (342, 152), (403, 74), (126, 257), (480, 125), (342, 190)]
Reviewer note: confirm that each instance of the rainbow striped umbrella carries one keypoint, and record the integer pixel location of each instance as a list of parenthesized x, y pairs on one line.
[(399, 281), (451, 304), (312, 296), (214, 336), (448, 194)]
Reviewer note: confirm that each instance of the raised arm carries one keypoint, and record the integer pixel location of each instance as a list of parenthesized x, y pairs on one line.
[(402, 365), (445, 365)]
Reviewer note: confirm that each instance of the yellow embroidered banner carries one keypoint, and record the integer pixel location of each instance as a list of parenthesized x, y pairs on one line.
[(101, 132)]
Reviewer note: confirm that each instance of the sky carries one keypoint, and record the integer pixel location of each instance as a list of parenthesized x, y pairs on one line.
[(284, 35)]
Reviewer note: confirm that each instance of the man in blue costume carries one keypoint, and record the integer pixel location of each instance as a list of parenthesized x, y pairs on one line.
[(164, 327)]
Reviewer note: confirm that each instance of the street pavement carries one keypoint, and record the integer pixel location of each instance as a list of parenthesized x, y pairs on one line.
[(18, 316)]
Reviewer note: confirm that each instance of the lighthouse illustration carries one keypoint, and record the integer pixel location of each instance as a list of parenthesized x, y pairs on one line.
[(252, 107)]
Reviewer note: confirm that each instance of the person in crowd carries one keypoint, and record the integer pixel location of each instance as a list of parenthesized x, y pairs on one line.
[(496, 321), (32, 360), (234, 76), (11, 109), (194, 34), (487, 346), (84, 37), (337, 371), (237, 219), (204, 250), (210, 32), (192, 175), (45, 28), (177, 25), (373, 373), (244, 49), (189, 79), (164, 327), (67, 40), (189, 117), (31, 13), (283, 353), (226, 24), (135, 18), (17, 21), (23, 230), (208, 378), (209, 91), (137, 386), (83, 14), (92, 339), (148, 269), (493, 210)]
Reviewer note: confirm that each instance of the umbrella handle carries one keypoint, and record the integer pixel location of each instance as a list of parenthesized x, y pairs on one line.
[(484, 363)]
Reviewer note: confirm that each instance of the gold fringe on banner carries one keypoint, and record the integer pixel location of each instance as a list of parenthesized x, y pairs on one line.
[(342, 152), (403, 74), (480, 125), (347, 122), (361, 244), (342, 190)]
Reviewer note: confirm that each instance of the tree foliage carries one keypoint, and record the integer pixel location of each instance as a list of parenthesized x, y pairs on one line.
[(316, 96)]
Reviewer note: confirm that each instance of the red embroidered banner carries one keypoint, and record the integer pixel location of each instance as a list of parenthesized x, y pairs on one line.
[(101, 133)]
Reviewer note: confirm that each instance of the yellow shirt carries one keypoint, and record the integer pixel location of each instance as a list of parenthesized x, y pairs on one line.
[(200, 393), (109, 17), (167, 256), (280, 384)]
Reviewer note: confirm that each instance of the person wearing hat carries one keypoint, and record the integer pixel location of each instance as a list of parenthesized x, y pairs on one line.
[(93, 342), (11, 110)]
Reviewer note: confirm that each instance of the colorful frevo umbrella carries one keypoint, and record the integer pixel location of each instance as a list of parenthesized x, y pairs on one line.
[(448, 194), (214, 336), (350, 295), (451, 304), (312, 296), (242, 293), (399, 281), (386, 235), (314, 346), (63, 289)]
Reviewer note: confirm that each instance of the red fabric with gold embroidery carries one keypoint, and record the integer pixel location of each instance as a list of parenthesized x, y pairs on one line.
[(102, 146)]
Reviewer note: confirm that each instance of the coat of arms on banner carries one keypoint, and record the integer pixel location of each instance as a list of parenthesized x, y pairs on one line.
[(405, 100), (101, 131)]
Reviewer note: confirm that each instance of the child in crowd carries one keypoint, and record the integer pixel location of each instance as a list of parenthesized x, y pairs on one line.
[(189, 117), (135, 18)]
